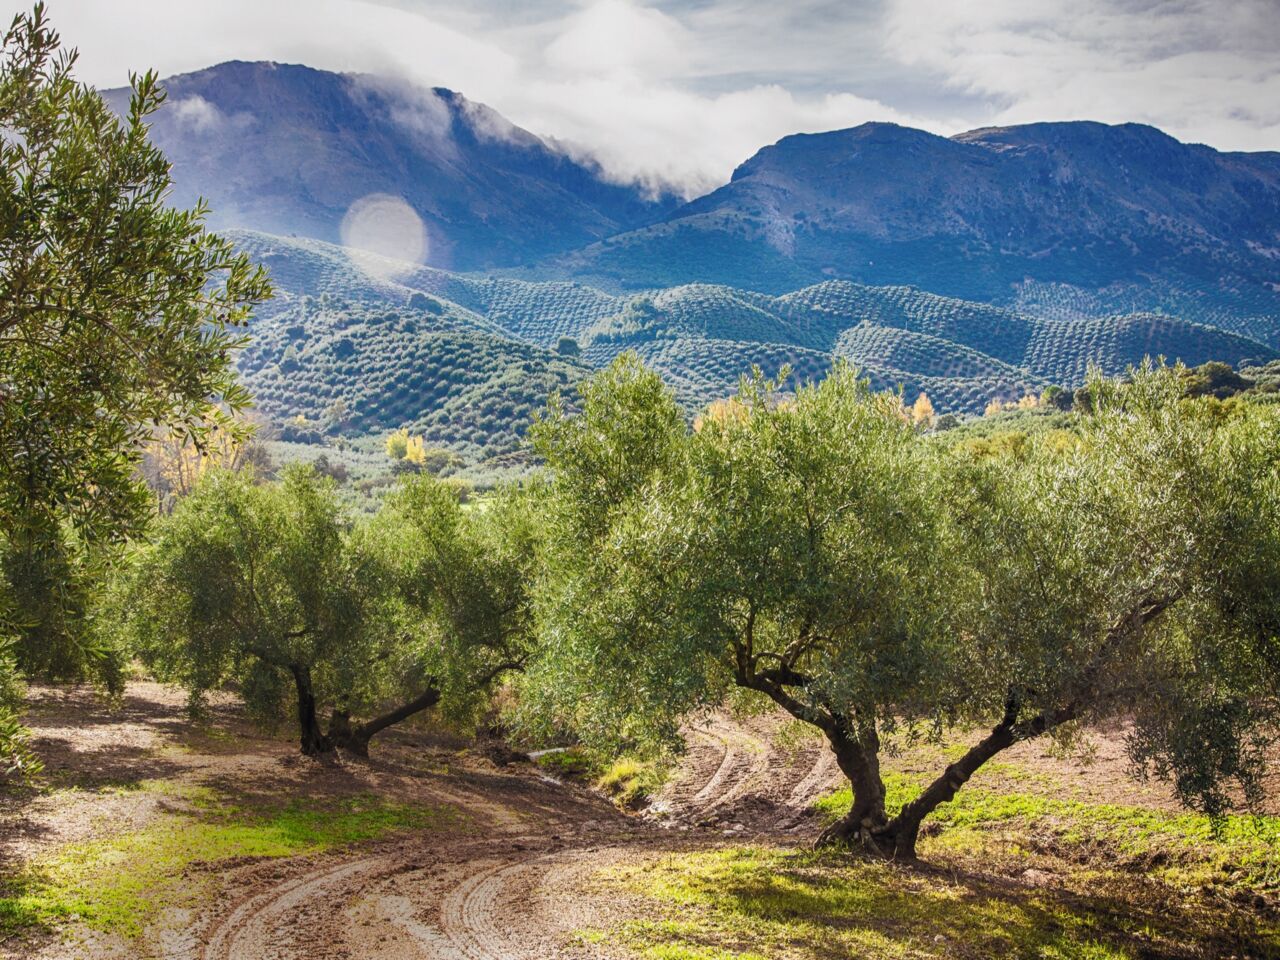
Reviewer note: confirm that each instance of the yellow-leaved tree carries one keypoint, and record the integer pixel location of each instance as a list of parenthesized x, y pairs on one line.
[(415, 451), (922, 414), (173, 464), (398, 444)]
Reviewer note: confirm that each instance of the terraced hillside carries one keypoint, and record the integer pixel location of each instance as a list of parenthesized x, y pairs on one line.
[(466, 359), (365, 367)]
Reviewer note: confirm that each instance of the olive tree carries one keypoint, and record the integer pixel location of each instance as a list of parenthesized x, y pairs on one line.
[(262, 584), (273, 587), (463, 579), (1133, 574), (595, 675), (118, 315), (795, 548), (819, 551)]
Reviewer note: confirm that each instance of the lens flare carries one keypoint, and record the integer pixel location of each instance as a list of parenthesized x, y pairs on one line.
[(384, 236)]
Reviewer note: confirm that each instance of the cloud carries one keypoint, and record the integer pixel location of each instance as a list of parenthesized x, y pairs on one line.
[(1202, 70), (611, 78), (667, 135), (197, 115), (345, 35), (616, 37), (678, 92), (417, 109)]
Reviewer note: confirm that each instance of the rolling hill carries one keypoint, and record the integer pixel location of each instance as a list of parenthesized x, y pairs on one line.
[(974, 267), (466, 360)]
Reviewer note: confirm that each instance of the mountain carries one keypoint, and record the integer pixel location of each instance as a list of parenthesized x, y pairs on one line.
[(1062, 219), (466, 360), (1065, 221), (289, 150), (976, 267)]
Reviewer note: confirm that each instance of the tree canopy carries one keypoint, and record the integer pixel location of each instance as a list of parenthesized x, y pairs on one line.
[(818, 550), (118, 314), (274, 587), (262, 585)]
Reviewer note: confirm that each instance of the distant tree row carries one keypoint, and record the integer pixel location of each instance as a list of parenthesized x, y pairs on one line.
[(815, 549)]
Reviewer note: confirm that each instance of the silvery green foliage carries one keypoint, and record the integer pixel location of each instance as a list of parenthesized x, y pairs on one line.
[(465, 579), (243, 577), (787, 535), (118, 315), (272, 587), (1135, 574), (814, 548)]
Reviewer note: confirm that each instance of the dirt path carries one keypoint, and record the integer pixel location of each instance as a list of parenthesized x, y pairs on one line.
[(511, 879), (500, 898), (738, 776)]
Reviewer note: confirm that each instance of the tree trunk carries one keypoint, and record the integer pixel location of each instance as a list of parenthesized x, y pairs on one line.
[(340, 729), (356, 739), (314, 742), (897, 839), (856, 748), (859, 760)]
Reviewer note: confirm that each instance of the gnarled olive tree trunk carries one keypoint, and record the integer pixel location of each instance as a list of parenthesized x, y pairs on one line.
[(355, 738), (895, 837)]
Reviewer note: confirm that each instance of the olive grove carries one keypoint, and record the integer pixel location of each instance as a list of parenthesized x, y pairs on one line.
[(821, 551)]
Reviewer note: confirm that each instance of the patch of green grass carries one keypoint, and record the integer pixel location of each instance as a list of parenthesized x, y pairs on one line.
[(630, 781), (573, 763), (753, 902), (1183, 848), (118, 884)]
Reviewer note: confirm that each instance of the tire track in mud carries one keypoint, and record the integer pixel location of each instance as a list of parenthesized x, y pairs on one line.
[(736, 771), (250, 928), (509, 890), (727, 769), (746, 762), (468, 916), (294, 909), (492, 907), (806, 790), (711, 790)]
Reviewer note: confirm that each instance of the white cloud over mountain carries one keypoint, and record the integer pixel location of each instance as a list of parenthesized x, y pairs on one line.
[(679, 92)]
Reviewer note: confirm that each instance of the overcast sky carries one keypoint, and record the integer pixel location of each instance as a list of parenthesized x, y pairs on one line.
[(681, 91)]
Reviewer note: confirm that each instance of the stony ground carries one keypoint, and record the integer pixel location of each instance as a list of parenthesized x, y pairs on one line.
[(155, 836)]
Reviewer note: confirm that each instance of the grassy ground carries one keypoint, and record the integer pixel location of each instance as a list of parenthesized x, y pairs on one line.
[(1004, 873), (627, 781), (119, 884), (1187, 850)]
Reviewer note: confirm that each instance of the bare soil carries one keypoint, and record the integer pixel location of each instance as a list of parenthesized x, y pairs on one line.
[(512, 882)]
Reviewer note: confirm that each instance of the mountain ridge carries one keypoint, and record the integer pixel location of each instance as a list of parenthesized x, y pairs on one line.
[(978, 215), (286, 148)]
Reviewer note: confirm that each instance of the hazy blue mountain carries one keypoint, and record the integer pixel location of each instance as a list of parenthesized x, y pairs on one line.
[(288, 149), (975, 267), (1061, 219)]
